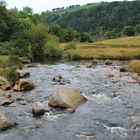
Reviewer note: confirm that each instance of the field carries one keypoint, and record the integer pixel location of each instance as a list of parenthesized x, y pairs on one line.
[(122, 49)]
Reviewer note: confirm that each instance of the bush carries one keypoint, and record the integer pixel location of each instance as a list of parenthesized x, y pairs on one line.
[(135, 66), (51, 48), (71, 45), (10, 61), (10, 74), (129, 31)]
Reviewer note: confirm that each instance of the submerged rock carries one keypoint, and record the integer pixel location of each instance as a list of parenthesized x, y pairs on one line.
[(70, 110), (87, 133), (7, 95), (66, 98), (114, 75), (4, 84), (134, 117), (23, 85), (89, 65), (7, 102), (22, 73), (5, 123)]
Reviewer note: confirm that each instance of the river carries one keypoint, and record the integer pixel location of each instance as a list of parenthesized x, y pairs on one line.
[(107, 111)]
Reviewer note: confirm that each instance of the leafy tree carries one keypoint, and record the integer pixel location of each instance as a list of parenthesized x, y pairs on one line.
[(137, 29), (128, 31), (51, 48), (85, 37)]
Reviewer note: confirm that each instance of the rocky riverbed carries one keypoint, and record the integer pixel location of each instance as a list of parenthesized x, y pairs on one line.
[(111, 112)]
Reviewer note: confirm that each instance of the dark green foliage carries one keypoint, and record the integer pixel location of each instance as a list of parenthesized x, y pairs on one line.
[(102, 18), (85, 37), (137, 29), (129, 31), (70, 45), (11, 75)]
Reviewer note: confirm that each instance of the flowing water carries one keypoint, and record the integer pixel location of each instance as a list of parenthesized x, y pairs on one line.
[(106, 112)]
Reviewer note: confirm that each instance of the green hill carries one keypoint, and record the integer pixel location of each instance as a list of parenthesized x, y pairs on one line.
[(73, 8), (101, 19)]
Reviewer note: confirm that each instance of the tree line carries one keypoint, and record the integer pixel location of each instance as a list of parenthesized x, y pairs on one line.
[(106, 20), (25, 33)]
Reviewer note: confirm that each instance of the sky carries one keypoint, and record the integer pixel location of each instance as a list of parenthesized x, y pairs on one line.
[(44, 5)]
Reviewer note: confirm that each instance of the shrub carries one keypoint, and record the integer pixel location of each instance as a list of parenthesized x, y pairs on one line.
[(51, 48), (135, 66), (70, 45), (10, 74)]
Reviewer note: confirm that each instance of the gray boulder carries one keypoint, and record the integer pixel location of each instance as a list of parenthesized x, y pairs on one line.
[(66, 98)]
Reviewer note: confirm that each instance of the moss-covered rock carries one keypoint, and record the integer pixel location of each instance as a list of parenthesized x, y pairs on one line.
[(4, 84), (66, 98), (23, 85), (5, 123)]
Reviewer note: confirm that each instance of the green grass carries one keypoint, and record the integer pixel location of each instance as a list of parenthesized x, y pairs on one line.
[(121, 48)]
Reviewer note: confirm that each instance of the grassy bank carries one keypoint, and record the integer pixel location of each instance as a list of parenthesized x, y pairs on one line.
[(121, 49)]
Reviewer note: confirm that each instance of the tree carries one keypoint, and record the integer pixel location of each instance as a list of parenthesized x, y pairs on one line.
[(137, 29), (128, 31), (85, 37), (37, 37)]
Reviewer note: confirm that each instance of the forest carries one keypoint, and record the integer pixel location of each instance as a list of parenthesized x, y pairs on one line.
[(33, 35)]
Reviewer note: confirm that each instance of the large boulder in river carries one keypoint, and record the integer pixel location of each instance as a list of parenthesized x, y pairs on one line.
[(5, 123), (22, 73), (66, 98), (23, 85), (4, 83)]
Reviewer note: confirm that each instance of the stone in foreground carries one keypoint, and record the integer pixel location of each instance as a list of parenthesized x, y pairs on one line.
[(4, 123), (23, 85), (4, 84), (66, 98)]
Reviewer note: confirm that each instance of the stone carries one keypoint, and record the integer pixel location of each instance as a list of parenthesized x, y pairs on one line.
[(4, 84), (7, 95), (38, 112), (65, 97), (7, 102), (87, 133), (57, 78), (32, 126), (5, 123), (89, 65), (134, 117), (108, 62), (22, 74), (123, 70), (114, 75), (23, 85)]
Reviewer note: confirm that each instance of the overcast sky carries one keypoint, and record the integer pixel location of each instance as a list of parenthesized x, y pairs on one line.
[(44, 5)]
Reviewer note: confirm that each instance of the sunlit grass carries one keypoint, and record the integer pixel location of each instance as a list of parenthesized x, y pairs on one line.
[(122, 48), (135, 66)]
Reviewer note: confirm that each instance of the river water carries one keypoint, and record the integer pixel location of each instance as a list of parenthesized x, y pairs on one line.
[(106, 112)]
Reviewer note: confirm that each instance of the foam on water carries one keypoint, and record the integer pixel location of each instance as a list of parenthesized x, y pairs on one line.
[(51, 117), (117, 130), (101, 98)]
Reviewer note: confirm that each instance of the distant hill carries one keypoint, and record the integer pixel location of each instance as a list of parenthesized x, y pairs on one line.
[(98, 18), (73, 8)]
